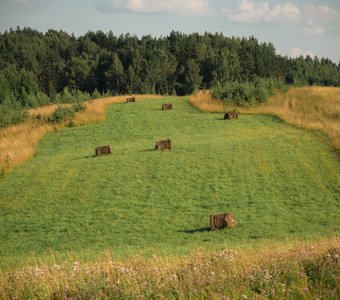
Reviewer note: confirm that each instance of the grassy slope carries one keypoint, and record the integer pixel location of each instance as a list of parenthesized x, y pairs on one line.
[(18, 143), (278, 181), (316, 108)]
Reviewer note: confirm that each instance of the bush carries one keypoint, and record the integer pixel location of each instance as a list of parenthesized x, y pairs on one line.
[(36, 100), (69, 96), (12, 114), (65, 113), (96, 94), (61, 114), (247, 93), (78, 107)]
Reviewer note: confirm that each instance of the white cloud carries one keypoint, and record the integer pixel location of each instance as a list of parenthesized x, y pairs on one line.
[(313, 30), (321, 14), (296, 52), (318, 18), (313, 20), (327, 10), (187, 7), (249, 11)]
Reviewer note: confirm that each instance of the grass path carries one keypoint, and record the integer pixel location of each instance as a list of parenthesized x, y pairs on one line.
[(279, 182)]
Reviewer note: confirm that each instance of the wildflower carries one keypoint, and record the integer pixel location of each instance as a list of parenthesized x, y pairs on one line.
[(302, 274), (75, 266), (174, 276)]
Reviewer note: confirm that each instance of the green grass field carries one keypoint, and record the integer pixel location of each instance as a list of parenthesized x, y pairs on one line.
[(279, 182)]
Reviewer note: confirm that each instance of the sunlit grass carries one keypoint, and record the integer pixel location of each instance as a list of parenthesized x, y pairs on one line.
[(316, 108), (18, 143), (281, 271), (68, 218), (139, 200)]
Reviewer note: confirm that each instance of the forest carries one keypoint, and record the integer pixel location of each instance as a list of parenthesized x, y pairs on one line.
[(40, 68)]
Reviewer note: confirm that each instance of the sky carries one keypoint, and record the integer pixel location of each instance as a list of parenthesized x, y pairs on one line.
[(294, 27)]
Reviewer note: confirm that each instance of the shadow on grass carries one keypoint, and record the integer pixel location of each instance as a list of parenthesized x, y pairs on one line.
[(86, 157), (204, 229), (91, 156)]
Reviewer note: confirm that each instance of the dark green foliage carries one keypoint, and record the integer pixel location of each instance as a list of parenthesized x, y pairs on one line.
[(96, 94), (247, 93), (78, 107), (70, 96), (12, 114), (61, 114), (39, 68), (65, 113)]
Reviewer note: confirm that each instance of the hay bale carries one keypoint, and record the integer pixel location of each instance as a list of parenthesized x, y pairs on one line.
[(131, 99), (103, 150), (163, 145), (221, 221), (232, 115), (166, 106)]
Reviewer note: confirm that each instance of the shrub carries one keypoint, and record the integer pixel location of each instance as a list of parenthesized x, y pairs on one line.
[(61, 114), (78, 107), (247, 93), (36, 100), (95, 94), (11, 115), (69, 96), (65, 113)]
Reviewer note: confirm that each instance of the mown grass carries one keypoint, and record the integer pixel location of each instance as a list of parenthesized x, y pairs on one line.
[(279, 182), (18, 143), (316, 108)]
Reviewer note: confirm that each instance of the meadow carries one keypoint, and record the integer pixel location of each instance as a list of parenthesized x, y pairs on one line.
[(315, 108), (18, 143), (66, 201)]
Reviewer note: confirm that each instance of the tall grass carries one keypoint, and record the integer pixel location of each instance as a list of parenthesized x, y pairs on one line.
[(18, 143), (316, 108), (294, 271)]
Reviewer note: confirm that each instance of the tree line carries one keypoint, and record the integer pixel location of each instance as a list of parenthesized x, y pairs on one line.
[(38, 68)]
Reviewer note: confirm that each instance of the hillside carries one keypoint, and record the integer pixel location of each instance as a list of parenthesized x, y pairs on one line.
[(142, 201), (316, 108), (72, 223)]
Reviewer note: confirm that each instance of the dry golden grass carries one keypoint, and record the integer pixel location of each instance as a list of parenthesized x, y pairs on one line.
[(287, 271), (316, 108), (46, 110), (18, 143), (204, 102)]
